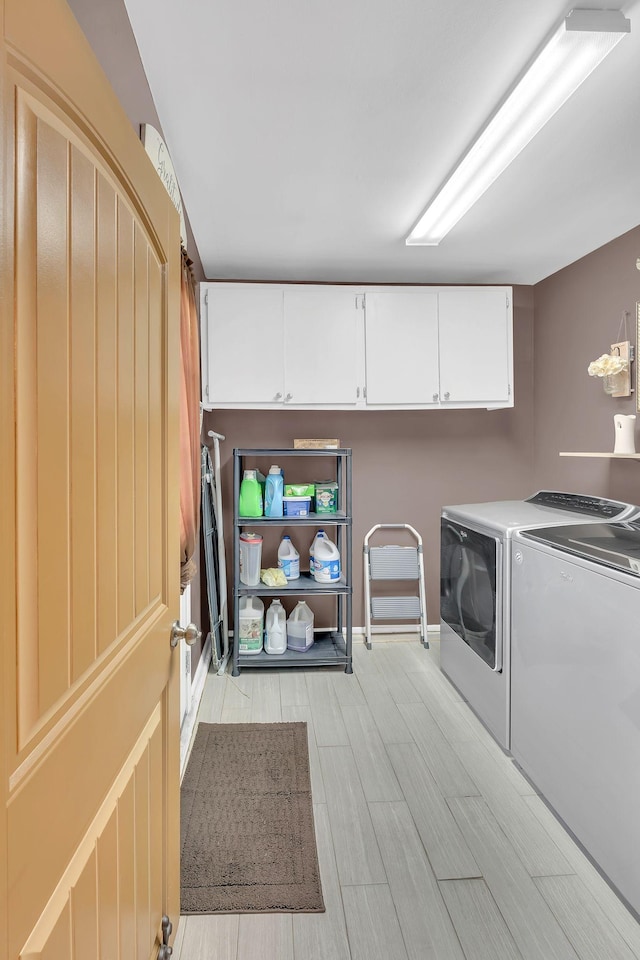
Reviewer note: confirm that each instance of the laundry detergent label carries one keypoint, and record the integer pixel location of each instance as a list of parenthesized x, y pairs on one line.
[(290, 566), (250, 635), (326, 569)]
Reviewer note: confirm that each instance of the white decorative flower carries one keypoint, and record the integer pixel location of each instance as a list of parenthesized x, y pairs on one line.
[(606, 365)]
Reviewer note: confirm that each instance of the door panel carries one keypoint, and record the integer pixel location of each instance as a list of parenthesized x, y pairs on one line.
[(245, 338), (110, 267), (474, 345), (82, 394), (111, 869), (89, 572), (321, 345), (402, 346)]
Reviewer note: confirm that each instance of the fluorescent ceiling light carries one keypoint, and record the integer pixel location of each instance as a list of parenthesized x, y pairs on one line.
[(576, 48)]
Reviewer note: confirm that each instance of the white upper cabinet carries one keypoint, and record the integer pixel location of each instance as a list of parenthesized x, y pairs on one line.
[(475, 346), (346, 347), (242, 333), (322, 345), (273, 345), (402, 346)]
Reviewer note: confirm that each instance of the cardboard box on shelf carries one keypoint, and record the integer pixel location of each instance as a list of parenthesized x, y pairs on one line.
[(316, 444)]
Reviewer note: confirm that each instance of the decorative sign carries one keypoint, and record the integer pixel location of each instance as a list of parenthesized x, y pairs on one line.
[(157, 150)]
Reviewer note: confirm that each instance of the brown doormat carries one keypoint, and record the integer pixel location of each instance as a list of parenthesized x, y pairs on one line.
[(248, 841)]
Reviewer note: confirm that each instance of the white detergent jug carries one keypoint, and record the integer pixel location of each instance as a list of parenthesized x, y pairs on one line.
[(275, 640), (326, 561), (288, 559), (251, 625), (624, 426), (300, 628)]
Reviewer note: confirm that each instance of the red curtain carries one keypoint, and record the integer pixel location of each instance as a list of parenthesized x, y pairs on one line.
[(189, 426)]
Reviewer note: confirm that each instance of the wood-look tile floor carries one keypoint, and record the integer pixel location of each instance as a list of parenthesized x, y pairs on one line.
[(432, 846)]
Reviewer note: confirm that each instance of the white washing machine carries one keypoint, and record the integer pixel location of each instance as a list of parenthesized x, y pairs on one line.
[(575, 682), (475, 590)]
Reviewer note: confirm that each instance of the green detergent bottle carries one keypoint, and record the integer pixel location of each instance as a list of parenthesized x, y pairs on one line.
[(250, 503)]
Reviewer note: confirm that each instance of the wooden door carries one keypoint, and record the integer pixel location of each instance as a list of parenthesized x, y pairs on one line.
[(402, 346), (89, 310)]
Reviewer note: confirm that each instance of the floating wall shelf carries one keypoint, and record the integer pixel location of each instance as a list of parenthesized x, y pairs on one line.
[(610, 456)]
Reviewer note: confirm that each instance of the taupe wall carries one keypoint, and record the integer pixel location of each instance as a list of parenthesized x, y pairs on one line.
[(408, 464), (577, 317)]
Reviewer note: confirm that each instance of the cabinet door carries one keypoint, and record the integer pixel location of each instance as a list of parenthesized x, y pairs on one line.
[(475, 346), (244, 338), (322, 345), (402, 346)]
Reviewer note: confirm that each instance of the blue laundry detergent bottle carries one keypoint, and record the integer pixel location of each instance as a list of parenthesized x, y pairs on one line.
[(273, 491)]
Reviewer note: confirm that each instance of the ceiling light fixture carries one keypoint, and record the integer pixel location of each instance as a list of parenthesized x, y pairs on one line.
[(576, 48)]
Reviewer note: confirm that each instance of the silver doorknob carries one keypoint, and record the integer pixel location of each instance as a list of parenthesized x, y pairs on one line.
[(189, 634)]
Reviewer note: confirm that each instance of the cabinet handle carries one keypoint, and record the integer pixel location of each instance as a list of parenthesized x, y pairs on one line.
[(446, 396), (357, 391), (435, 398), (278, 396), (288, 397)]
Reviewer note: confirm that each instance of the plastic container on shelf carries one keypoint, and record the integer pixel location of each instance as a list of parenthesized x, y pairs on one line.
[(326, 496), (273, 493), (297, 506), (299, 490), (288, 559), (250, 502), (275, 637), (250, 557), (300, 628), (326, 561), (319, 535), (251, 626)]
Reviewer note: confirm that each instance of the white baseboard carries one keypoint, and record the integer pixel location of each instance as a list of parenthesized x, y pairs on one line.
[(197, 689), (394, 628)]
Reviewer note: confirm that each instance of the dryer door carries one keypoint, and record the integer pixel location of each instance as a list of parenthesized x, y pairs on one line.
[(469, 579)]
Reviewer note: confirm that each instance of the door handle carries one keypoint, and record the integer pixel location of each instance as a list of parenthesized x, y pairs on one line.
[(288, 397), (446, 396), (278, 396), (189, 634)]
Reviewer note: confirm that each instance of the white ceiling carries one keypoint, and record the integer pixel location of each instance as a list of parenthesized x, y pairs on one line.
[(308, 135)]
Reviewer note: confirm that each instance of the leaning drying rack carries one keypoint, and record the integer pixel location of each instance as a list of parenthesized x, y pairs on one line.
[(214, 554)]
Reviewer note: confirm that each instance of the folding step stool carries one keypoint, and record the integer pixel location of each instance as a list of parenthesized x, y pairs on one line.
[(393, 562)]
